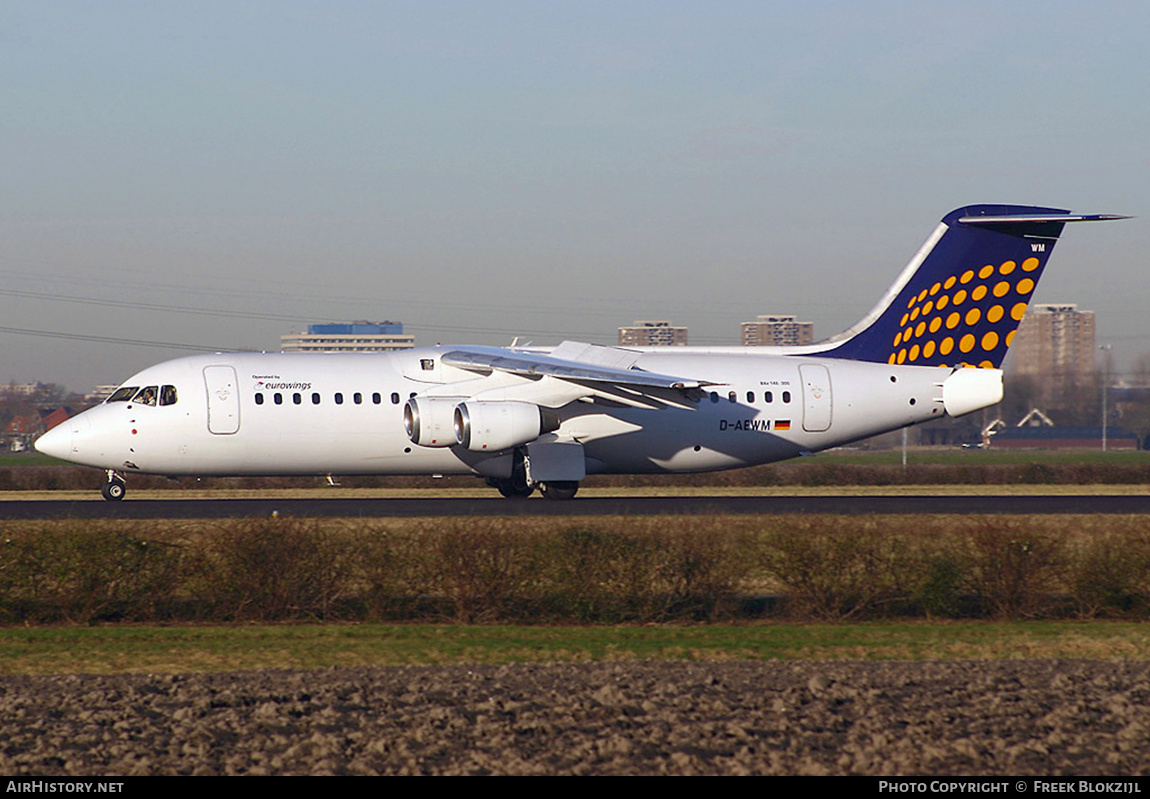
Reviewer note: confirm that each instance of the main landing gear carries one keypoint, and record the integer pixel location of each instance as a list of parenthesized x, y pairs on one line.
[(517, 486), (513, 490), (114, 489)]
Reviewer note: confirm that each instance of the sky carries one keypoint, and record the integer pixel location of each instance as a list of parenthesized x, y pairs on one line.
[(185, 175)]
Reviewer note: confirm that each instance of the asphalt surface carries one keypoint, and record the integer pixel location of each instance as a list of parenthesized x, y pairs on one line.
[(589, 506)]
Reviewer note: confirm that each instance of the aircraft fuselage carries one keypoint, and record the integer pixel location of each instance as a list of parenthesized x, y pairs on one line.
[(315, 414)]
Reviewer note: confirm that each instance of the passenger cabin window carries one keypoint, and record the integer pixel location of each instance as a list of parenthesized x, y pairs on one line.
[(315, 398), (296, 398), (731, 396), (786, 396), (768, 396), (338, 398), (376, 398), (714, 396), (750, 396), (395, 398), (357, 398), (279, 398), (259, 399)]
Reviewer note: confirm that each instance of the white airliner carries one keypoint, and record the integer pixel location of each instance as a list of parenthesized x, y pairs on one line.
[(533, 417)]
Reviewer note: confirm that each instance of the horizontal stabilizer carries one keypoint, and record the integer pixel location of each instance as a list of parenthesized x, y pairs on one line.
[(1019, 218)]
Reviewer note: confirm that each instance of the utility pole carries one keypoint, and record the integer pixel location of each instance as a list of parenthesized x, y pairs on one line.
[(1105, 382)]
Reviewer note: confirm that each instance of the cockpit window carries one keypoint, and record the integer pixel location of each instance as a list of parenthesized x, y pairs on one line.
[(123, 394), (146, 395), (168, 395)]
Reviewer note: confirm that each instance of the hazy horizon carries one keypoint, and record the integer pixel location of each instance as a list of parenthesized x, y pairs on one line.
[(218, 174)]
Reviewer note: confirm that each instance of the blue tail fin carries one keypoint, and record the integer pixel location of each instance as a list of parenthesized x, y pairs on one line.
[(960, 299)]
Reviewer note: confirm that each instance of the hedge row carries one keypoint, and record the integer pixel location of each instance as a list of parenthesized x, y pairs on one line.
[(524, 570)]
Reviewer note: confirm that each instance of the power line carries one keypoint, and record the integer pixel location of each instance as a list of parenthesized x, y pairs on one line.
[(146, 306), (20, 331)]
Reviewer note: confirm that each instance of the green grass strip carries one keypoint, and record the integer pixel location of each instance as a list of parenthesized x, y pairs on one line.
[(149, 649)]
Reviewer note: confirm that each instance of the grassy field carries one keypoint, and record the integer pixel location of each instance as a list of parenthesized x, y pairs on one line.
[(27, 459), (945, 456), (150, 649)]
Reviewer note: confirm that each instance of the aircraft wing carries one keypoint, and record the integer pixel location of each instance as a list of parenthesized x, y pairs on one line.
[(598, 365), (583, 371)]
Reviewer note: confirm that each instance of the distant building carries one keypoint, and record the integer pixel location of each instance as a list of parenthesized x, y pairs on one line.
[(652, 333), (1054, 345), (100, 393), (21, 431), (24, 389), (354, 337), (777, 330)]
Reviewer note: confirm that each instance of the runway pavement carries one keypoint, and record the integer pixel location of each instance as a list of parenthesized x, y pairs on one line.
[(588, 506)]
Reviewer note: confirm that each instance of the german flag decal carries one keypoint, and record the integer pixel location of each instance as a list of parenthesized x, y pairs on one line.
[(783, 424)]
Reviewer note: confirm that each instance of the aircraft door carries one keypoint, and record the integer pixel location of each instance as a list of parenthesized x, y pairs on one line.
[(816, 397), (223, 399)]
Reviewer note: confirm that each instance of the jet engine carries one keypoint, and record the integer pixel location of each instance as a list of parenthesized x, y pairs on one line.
[(427, 421), (492, 426)]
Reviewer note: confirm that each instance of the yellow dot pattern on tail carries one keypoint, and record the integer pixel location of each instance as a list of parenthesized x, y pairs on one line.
[(997, 294)]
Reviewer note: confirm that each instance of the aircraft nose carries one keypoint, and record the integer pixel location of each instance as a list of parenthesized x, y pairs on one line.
[(57, 442)]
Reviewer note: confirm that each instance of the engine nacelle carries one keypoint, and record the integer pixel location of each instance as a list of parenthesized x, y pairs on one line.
[(428, 421), (492, 426)]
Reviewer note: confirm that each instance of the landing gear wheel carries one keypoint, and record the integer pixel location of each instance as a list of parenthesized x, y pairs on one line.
[(510, 490), (113, 490), (515, 486), (560, 489)]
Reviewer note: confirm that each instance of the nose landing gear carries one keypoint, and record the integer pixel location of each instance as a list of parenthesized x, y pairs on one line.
[(114, 489)]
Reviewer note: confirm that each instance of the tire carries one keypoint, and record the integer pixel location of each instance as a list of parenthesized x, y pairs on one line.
[(113, 490), (560, 490), (511, 491)]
